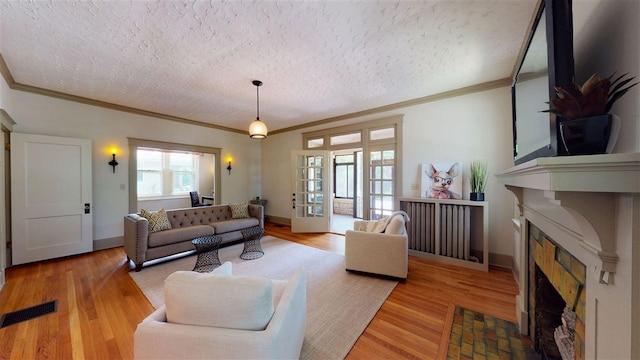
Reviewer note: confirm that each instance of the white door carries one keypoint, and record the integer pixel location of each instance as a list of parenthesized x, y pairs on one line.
[(50, 197), (311, 200)]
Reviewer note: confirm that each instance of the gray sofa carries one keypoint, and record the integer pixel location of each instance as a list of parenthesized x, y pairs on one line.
[(186, 225)]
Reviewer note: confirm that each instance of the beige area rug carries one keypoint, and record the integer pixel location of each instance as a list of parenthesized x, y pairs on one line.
[(340, 305)]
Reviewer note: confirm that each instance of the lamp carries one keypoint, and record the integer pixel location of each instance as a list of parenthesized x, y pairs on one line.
[(229, 158), (113, 162), (257, 129)]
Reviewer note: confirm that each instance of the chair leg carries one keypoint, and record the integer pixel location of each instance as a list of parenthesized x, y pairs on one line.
[(138, 267)]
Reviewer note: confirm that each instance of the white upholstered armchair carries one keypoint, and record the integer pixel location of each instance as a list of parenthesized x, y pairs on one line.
[(378, 247), (215, 316)]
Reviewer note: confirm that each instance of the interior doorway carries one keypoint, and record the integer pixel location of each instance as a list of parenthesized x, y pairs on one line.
[(347, 189), (367, 176)]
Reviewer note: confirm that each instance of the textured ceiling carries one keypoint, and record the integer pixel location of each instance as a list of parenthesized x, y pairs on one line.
[(196, 59)]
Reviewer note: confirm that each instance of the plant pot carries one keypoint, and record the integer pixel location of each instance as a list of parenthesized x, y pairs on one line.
[(477, 196), (592, 135)]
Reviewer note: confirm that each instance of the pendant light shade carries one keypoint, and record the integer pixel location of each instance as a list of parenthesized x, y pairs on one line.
[(257, 129)]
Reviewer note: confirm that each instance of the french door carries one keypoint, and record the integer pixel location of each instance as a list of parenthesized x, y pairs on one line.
[(382, 182), (311, 202)]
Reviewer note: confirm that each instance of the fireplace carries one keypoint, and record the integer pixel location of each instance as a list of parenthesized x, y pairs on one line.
[(579, 225), (556, 286)]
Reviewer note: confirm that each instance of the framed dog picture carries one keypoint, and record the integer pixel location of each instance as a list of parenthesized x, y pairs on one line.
[(441, 181)]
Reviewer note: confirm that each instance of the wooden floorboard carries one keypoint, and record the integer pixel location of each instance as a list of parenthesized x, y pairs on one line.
[(99, 305)]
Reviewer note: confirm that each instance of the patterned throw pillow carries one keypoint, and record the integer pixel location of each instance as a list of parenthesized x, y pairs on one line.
[(239, 211), (158, 220)]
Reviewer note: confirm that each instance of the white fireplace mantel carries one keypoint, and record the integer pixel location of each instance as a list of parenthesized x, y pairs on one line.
[(585, 187)]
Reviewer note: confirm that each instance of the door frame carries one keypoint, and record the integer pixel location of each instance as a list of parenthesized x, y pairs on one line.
[(320, 140), (6, 125)]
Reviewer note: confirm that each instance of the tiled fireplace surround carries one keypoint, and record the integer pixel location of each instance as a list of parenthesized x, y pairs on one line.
[(585, 210), (567, 276)]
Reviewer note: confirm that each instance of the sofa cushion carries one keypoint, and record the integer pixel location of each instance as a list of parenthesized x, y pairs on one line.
[(239, 211), (213, 300), (173, 236), (222, 227), (158, 220)]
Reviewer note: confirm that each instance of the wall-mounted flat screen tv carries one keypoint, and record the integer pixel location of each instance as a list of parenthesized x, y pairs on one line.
[(546, 62)]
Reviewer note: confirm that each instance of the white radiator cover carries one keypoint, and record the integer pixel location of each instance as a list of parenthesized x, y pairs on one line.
[(450, 231)]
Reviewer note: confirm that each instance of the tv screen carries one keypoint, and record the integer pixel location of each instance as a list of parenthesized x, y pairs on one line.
[(546, 62)]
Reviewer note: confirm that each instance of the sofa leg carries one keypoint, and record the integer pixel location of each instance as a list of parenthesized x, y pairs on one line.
[(138, 267)]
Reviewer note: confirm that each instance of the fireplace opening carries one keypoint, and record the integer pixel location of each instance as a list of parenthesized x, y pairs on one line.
[(548, 316), (557, 299)]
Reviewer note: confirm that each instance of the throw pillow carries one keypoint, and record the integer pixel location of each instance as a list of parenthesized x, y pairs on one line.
[(396, 225), (158, 220), (213, 300), (239, 211)]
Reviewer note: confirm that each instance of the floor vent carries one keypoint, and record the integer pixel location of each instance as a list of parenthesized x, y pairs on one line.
[(28, 313)]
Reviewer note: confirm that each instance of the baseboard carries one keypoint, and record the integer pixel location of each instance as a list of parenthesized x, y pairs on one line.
[(280, 220), (108, 243), (501, 260)]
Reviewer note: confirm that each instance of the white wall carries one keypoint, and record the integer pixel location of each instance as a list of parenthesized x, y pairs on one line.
[(106, 128), (606, 34), (464, 128)]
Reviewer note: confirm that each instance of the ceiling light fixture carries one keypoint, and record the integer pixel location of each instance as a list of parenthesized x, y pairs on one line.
[(257, 129)]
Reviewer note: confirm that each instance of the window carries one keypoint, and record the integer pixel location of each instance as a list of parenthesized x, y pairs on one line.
[(315, 143), (343, 176), (381, 134), (163, 173), (353, 138)]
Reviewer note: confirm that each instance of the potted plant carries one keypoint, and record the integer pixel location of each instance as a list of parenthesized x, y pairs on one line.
[(589, 128), (478, 180)]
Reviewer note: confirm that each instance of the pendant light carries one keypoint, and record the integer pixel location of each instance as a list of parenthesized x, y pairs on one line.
[(257, 129)]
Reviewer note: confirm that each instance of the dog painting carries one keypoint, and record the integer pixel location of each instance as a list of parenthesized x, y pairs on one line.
[(441, 181)]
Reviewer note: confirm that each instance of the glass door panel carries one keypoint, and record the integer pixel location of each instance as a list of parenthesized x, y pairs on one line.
[(310, 200), (381, 183)]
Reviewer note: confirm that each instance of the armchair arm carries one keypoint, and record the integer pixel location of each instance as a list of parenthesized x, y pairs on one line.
[(257, 211), (377, 253), (136, 238)]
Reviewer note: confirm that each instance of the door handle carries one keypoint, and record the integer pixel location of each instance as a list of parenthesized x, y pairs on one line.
[(293, 201), (87, 208)]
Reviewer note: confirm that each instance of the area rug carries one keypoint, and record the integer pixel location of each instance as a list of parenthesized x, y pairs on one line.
[(340, 305), (476, 335)]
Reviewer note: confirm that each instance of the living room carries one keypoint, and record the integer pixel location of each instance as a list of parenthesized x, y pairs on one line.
[(478, 127)]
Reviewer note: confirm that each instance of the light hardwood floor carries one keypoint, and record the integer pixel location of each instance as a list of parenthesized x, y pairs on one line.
[(99, 306)]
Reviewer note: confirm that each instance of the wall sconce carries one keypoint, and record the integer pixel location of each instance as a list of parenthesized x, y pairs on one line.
[(113, 162), (229, 159)]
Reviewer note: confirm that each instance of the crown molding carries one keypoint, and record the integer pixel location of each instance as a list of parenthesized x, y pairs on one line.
[(490, 85), (6, 74), (4, 69)]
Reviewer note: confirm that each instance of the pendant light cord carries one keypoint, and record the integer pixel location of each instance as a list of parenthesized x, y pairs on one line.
[(258, 101)]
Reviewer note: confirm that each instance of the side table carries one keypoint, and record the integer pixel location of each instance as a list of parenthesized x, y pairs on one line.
[(207, 249), (252, 248)]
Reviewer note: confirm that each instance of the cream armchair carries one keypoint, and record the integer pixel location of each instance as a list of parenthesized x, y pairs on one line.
[(371, 251), (247, 329)]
